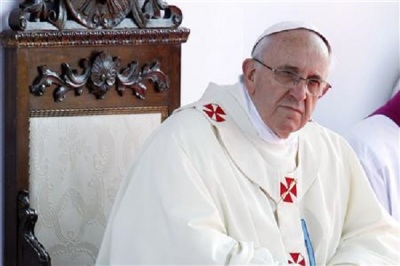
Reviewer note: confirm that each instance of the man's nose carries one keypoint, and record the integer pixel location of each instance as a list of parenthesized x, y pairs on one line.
[(299, 90)]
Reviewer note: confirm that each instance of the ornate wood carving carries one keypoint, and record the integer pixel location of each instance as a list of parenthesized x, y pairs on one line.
[(142, 30), (29, 248), (94, 14), (163, 110), (106, 13), (100, 76), (93, 37)]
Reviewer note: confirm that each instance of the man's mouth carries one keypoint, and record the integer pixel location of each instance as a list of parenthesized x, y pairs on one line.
[(294, 109)]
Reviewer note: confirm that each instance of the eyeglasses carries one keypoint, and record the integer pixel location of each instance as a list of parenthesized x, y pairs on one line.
[(315, 87)]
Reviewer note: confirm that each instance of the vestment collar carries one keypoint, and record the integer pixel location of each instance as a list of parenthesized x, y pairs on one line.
[(263, 130)]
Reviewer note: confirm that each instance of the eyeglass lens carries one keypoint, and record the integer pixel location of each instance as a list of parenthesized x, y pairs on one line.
[(287, 78)]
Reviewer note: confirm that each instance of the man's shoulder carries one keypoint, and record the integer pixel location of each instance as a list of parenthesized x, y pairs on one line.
[(313, 127), (186, 119), (195, 121), (315, 132), (211, 108)]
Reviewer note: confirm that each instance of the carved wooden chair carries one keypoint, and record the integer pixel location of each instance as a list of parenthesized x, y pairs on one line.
[(86, 81)]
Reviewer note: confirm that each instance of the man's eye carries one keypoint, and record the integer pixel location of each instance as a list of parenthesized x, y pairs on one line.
[(289, 73), (287, 76), (314, 82)]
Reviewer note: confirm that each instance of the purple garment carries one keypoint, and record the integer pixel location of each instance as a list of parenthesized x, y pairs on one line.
[(391, 109)]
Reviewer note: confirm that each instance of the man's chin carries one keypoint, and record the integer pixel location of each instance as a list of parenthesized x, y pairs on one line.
[(289, 129)]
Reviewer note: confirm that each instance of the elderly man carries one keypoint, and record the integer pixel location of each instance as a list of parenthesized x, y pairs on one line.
[(243, 176)]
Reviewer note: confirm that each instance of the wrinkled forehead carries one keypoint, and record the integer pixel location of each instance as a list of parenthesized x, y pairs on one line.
[(300, 49)]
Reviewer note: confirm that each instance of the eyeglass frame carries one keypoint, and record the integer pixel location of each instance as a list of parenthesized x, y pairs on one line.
[(298, 78)]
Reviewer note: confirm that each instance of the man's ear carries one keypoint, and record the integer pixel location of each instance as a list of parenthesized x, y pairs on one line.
[(249, 70)]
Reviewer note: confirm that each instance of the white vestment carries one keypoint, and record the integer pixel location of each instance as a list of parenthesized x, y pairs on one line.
[(376, 141), (206, 189)]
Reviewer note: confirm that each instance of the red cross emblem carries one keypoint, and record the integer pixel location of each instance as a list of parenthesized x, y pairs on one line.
[(297, 258), (288, 190), (215, 112)]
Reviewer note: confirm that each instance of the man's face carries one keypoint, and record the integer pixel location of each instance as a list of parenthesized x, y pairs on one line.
[(286, 109)]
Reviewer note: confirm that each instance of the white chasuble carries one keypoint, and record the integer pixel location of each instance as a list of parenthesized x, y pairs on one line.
[(205, 189)]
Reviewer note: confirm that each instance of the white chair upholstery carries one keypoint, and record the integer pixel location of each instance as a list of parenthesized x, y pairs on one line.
[(76, 167)]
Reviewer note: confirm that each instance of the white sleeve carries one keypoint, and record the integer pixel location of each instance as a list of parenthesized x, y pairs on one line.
[(378, 180), (373, 169)]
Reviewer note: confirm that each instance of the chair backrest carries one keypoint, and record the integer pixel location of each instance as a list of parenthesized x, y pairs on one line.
[(86, 82)]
